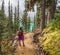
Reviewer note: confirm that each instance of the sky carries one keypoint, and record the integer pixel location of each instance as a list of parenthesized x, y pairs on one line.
[(21, 3), (14, 3), (58, 3)]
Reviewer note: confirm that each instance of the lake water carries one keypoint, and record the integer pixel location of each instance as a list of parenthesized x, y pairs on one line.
[(31, 26)]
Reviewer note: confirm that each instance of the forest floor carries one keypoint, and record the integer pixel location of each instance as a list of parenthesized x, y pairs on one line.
[(29, 49)]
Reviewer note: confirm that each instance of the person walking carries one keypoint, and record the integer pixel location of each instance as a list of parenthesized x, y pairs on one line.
[(21, 36)]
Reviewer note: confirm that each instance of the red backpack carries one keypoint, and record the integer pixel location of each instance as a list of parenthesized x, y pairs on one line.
[(20, 33)]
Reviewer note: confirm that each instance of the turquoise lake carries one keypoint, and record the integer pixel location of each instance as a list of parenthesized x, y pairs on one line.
[(31, 25)]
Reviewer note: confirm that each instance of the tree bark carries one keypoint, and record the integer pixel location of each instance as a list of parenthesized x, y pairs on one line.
[(0, 39), (49, 15), (51, 11), (42, 15)]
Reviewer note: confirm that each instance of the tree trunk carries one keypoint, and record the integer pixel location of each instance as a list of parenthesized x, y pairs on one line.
[(54, 7), (51, 11), (42, 15), (49, 15), (0, 39)]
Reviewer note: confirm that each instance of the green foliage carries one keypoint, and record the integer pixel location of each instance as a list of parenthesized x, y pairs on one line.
[(3, 24), (15, 25), (28, 23), (24, 20), (55, 23), (50, 41), (3, 29)]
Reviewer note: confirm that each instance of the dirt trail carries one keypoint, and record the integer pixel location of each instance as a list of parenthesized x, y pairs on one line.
[(29, 47)]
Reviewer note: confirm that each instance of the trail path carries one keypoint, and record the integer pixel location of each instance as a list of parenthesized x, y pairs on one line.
[(29, 47)]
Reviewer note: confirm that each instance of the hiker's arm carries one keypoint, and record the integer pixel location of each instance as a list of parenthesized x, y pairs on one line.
[(16, 38)]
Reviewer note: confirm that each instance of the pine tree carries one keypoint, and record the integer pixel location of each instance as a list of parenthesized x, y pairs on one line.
[(28, 23), (1, 30), (35, 22), (18, 18), (18, 10), (42, 10), (24, 20), (11, 18), (42, 15), (15, 21), (51, 7), (9, 14), (38, 16), (2, 9)]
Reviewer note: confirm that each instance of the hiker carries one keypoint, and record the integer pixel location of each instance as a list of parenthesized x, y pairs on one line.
[(21, 36)]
